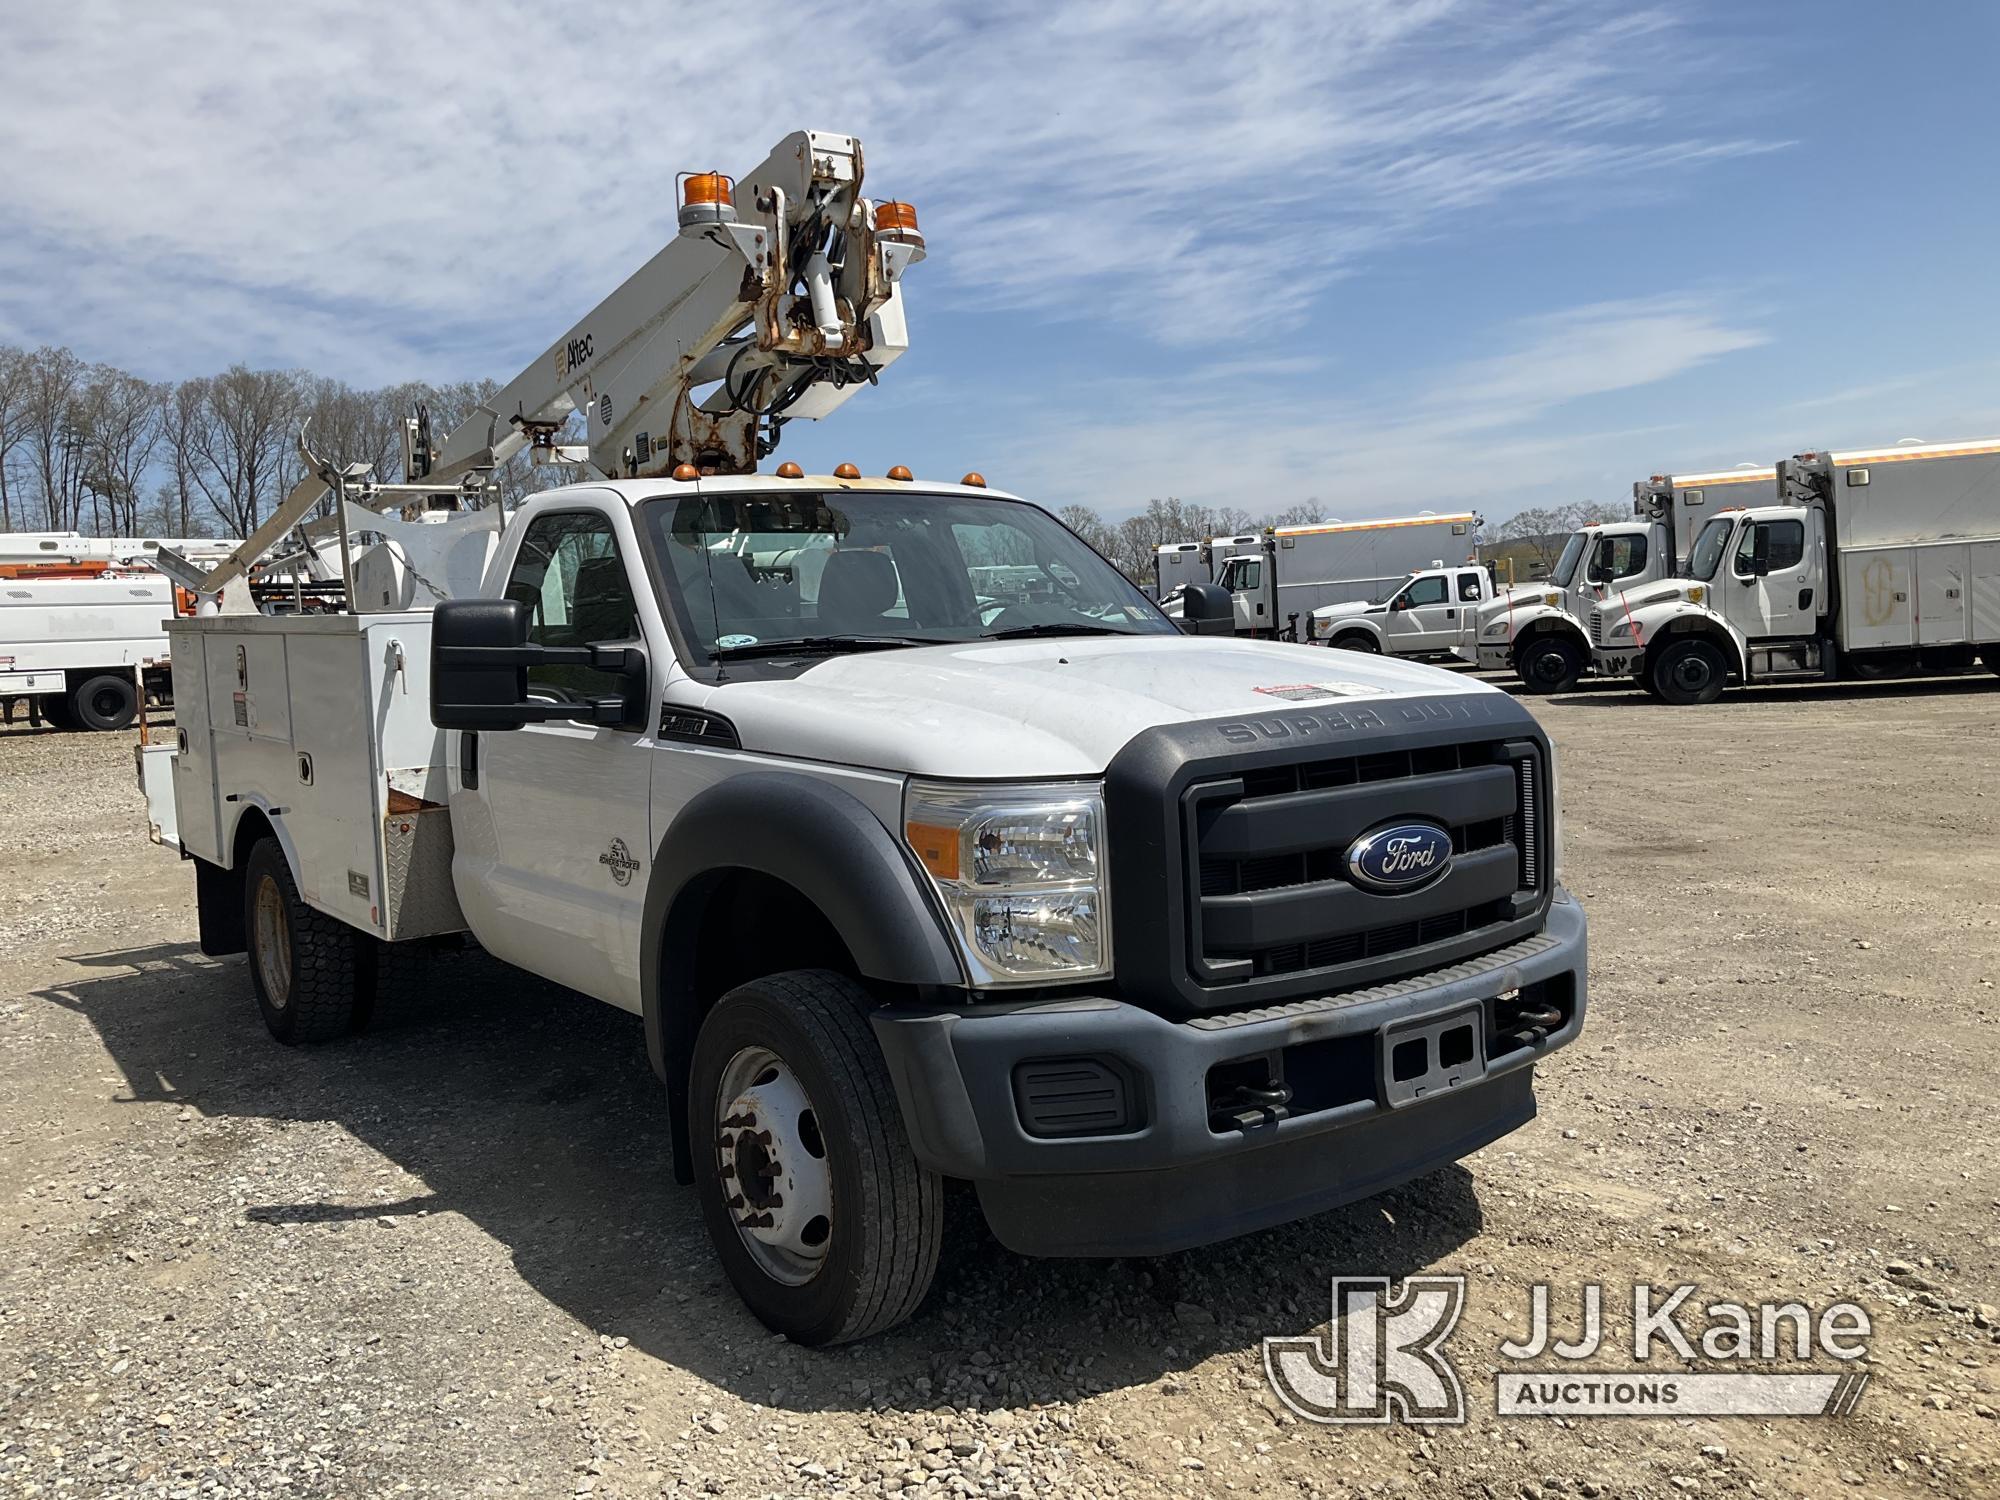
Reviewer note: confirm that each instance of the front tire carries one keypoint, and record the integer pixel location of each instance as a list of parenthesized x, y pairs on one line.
[(1358, 640), (1549, 664), (823, 1220), (1689, 672), (304, 965)]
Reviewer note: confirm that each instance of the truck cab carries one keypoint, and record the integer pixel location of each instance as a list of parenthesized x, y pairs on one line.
[(1540, 631), (1428, 614)]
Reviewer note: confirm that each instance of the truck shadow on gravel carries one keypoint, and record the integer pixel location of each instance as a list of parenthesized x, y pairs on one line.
[(1619, 694), (532, 1112)]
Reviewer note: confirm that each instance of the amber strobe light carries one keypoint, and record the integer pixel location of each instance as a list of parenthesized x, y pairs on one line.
[(707, 187), (897, 221)]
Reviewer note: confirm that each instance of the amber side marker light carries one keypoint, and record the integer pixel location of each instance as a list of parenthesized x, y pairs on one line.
[(686, 471), (790, 470), (899, 472), (936, 848), (846, 471)]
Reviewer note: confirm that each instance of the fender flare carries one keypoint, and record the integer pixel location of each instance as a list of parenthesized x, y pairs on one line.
[(1710, 625), (1355, 623), (818, 839), (1546, 621)]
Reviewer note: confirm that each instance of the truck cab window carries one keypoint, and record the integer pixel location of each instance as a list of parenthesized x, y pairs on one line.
[(1784, 546), (569, 574), (1470, 588), (1709, 547), (1424, 591), (1619, 557), (1246, 575)]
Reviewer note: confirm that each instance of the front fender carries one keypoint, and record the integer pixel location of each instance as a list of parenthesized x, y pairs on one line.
[(1533, 620), (817, 839), (1660, 623)]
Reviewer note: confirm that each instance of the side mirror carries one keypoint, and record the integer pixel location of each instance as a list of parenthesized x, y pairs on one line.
[(1760, 551), (480, 657), (1398, 604), (1208, 609)]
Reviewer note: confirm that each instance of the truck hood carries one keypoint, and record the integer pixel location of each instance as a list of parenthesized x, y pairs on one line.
[(1048, 708), (1660, 591), (1348, 610), (1513, 600)]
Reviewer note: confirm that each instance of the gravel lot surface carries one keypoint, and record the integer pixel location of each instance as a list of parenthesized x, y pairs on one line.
[(447, 1259)]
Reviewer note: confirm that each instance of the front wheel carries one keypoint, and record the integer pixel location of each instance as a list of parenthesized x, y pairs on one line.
[(1549, 664), (1358, 640), (824, 1221), (303, 963), (1690, 672)]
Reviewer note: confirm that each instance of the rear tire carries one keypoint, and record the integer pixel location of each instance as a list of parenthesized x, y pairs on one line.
[(1689, 672), (1357, 640), (304, 965), (818, 1209), (106, 701), (1548, 664)]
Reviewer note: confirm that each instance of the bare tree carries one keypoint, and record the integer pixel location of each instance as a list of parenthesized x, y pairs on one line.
[(51, 386), (1089, 525), (14, 422), (1542, 530), (120, 420), (246, 450), (185, 420)]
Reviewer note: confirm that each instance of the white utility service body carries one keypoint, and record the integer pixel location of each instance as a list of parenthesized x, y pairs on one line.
[(1865, 562), (87, 647), (1299, 570), (894, 849)]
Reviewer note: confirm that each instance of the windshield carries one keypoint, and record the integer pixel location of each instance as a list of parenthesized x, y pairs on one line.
[(1565, 568), (865, 568), (1708, 548)]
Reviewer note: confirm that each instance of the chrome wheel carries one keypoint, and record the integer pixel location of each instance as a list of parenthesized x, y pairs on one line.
[(771, 1158), (274, 943)]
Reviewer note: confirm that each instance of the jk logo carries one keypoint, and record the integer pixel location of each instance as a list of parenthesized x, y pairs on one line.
[(1383, 1363)]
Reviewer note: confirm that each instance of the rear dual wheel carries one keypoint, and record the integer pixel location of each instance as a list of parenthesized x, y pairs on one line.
[(304, 965)]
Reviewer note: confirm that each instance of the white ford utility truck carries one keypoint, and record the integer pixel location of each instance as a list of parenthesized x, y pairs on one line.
[(1427, 614), (926, 846), (1867, 563)]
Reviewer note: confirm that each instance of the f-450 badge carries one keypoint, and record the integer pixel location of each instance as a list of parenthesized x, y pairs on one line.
[(619, 861)]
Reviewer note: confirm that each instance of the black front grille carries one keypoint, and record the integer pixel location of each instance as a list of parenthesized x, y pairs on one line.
[(1271, 894)]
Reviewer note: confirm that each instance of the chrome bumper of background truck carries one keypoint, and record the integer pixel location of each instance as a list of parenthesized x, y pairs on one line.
[(1093, 1127)]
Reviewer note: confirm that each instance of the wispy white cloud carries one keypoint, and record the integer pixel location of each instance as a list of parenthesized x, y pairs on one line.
[(437, 190)]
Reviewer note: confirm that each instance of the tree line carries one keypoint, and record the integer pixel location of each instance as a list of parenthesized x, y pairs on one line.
[(93, 448)]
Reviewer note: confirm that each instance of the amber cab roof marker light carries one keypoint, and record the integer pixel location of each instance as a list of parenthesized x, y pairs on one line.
[(898, 471), (975, 479), (790, 470), (846, 471), (686, 471)]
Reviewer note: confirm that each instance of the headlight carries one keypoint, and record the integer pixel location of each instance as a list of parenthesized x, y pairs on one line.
[(1020, 870), (1321, 627), (1497, 628), (1621, 630)]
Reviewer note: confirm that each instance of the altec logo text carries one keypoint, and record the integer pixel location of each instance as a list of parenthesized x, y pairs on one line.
[(1384, 1357)]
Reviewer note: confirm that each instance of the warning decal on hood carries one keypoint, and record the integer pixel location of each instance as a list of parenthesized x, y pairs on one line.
[(1312, 692)]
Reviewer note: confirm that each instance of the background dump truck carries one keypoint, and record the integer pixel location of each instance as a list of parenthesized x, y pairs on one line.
[(1299, 569), (1150, 935), (1865, 563)]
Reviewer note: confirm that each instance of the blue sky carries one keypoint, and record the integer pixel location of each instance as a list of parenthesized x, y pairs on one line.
[(1491, 252)]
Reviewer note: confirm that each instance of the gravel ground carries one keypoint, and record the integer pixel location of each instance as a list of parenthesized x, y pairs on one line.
[(446, 1258)]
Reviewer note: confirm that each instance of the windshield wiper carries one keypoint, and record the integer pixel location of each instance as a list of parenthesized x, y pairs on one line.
[(822, 645), (1023, 632)]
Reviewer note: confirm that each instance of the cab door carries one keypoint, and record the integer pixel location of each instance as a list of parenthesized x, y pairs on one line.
[(1471, 591), (1244, 578), (1422, 618), (552, 855), (1771, 592)]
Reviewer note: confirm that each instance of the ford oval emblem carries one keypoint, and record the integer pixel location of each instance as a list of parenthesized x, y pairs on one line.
[(1402, 857)]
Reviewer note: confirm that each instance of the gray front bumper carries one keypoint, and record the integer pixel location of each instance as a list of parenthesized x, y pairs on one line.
[(1174, 1179)]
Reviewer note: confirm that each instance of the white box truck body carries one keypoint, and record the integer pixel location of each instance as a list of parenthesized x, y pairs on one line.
[(1298, 569)]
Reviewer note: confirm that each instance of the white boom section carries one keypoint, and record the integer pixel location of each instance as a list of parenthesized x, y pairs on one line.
[(789, 298)]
